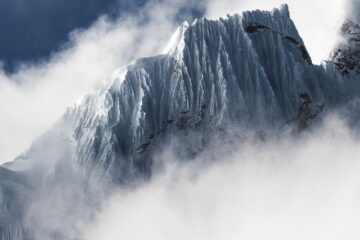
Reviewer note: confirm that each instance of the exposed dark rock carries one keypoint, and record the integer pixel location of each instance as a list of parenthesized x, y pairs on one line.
[(305, 54), (347, 55), (292, 40), (254, 27), (183, 122), (306, 113), (142, 148)]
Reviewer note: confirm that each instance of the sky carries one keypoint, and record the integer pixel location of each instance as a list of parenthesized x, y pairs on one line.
[(31, 30), (90, 44)]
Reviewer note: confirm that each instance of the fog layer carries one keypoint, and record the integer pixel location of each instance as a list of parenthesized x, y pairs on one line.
[(307, 188)]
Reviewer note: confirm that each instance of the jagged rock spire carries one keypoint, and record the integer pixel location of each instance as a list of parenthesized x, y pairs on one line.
[(347, 55)]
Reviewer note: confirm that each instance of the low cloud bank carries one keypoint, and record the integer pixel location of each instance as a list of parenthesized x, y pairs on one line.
[(307, 188)]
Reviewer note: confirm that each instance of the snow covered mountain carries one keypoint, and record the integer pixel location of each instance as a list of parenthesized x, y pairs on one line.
[(245, 70)]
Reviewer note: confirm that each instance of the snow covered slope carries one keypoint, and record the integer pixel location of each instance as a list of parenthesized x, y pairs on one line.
[(244, 70)]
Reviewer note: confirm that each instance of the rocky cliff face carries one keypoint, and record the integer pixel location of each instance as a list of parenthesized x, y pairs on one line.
[(244, 70), (347, 55)]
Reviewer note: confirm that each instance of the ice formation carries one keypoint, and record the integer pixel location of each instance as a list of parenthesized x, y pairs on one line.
[(245, 70)]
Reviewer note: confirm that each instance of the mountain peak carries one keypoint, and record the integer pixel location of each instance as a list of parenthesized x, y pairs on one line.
[(237, 74), (283, 10), (176, 43)]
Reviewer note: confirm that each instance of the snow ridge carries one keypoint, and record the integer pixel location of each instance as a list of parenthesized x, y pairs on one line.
[(245, 70)]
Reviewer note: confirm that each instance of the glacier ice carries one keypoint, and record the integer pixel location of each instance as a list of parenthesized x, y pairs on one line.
[(244, 70)]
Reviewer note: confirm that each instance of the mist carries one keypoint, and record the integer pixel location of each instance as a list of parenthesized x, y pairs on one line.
[(283, 188), (280, 188), (37, 94)]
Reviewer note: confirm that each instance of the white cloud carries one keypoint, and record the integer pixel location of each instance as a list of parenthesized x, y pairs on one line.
[(305, 189), (302, 189)]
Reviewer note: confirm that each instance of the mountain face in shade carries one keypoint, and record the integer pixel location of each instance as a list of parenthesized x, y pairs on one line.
[(244, 71)]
